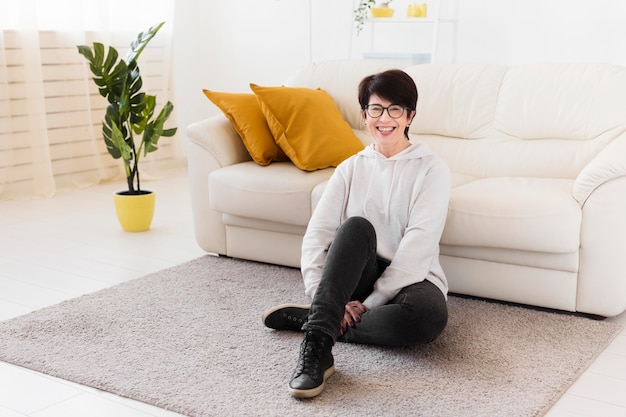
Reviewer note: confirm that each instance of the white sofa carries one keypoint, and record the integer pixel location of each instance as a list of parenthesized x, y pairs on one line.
[(538, 157)]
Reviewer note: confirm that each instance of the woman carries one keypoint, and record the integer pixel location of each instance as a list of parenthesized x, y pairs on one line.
[(370, 254)]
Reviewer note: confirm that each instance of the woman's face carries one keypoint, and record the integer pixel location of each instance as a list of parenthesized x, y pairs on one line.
[(387, 131)]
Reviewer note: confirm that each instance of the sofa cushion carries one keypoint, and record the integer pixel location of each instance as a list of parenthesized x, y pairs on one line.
[(530, 214), (244, 112), (280, 192), (576, 101), (456, 100), (307, 126)]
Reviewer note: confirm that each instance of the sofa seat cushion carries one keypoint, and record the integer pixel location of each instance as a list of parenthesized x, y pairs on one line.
[(528, 214), (279, 192)]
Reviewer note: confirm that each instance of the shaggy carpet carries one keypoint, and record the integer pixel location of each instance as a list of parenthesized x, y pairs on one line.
[(190, 339)]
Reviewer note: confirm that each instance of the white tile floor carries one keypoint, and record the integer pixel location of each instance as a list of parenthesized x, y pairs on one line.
[(55, 249)]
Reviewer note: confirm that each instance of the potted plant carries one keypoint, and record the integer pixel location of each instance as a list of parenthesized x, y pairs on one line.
[(130, 128), (361, 12)]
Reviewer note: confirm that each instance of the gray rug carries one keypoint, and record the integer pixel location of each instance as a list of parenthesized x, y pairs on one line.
[(190, 339)]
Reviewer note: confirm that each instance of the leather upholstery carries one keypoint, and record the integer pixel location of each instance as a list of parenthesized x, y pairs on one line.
[(538, 159)]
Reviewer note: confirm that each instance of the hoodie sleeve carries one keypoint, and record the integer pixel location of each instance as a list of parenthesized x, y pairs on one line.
[(321, 230), (417, 255)]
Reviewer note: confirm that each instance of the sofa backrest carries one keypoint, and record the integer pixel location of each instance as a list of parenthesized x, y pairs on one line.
[(341, 80), (456, 100), (535, 120)]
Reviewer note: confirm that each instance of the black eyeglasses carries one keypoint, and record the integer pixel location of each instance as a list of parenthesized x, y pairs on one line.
[(395, 111)]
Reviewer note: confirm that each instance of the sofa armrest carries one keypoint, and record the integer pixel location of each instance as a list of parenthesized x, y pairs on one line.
[(220, 139), (602, 264), (600, 189), (212, 144), (609, 164)]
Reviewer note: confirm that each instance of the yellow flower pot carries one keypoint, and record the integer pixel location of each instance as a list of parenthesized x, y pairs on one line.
[(381, 11), (134, 211)]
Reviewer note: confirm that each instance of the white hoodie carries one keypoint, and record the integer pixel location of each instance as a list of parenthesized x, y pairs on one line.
[(405, 197)]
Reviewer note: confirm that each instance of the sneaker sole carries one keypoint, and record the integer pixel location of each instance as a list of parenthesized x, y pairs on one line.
[(313, 392), (276, 308)]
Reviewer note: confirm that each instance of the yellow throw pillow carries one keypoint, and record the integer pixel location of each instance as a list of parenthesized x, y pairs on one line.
[(307, 125), (244, 112)]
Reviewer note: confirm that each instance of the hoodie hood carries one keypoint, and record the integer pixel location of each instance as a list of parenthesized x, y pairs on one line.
[(389, 165), (415, 151)]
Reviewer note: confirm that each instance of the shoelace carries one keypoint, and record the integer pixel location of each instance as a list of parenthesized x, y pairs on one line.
[(310, 356)]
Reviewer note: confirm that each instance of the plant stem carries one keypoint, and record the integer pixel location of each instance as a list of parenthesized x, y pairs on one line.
[(136, 173), (129, 176), (135, 170), (137, 156)]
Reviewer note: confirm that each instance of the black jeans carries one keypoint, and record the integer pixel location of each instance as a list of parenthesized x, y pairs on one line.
[(417, 315)]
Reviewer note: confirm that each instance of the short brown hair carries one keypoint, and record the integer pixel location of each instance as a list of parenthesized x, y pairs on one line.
[(395, 86)]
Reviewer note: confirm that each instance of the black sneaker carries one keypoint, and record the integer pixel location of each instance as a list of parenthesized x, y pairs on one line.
[(315, 365), (286, 317)]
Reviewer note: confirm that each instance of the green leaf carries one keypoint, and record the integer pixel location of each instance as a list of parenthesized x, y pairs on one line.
[(98, 54), (116, 135), (142, 112), (109, 74), (138, 100), (85, 51), (110, 59), (138, 45), (154, 130), (118, 139), (169, 132)]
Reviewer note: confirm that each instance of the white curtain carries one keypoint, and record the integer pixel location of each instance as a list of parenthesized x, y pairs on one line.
[(50, 110)]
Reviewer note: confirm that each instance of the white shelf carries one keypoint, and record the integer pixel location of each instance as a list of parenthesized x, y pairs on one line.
[(408, 20), (400, 20), (422, 28)]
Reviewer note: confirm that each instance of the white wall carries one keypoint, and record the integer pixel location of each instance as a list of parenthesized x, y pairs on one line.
[(224, 45), (512, 32)]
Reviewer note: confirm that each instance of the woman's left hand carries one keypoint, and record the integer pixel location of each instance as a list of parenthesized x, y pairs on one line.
[(352, 315)]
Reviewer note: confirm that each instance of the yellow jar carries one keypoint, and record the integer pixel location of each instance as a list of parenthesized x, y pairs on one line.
[(417, 10), (381, 11)]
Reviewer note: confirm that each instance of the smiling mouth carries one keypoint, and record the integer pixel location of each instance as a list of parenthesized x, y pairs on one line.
[(386, 129)]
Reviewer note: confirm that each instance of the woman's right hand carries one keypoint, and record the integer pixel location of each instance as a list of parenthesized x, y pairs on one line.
[(352, 315)]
